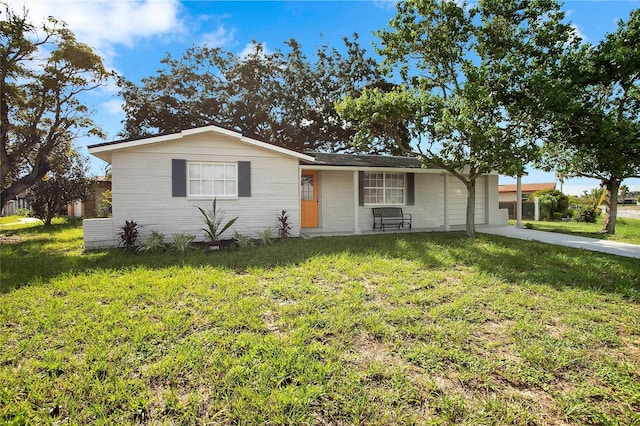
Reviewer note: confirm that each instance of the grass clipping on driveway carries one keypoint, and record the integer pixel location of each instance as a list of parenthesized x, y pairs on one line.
[(384, 329)]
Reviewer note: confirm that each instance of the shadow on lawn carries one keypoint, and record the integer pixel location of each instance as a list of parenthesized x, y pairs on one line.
[(513, 261)]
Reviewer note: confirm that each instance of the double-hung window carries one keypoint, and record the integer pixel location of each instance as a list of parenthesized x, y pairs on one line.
[(213, 179), (384, 188)]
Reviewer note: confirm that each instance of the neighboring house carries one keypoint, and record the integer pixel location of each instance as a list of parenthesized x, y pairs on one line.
[(507, 193), (20, 202), (508, 197), (159, 181), (91, 206)]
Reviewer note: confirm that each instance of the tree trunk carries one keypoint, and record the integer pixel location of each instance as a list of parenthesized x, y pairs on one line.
[(471, 207), (611, 199)]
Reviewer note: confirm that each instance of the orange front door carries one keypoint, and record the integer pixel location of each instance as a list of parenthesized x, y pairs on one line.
[(309, 199)]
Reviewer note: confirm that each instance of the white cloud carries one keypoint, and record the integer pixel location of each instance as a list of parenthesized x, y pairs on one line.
[(578, 32), (221, 36), (105, 24), (250, 48), (113, 107), (385, 4)]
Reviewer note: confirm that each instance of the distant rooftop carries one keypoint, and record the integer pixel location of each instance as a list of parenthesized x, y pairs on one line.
[(527, 187)]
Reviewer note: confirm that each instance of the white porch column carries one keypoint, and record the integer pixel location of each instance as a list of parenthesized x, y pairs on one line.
[(536, 213), (487, 200), (519, 202), (356, 204), (447, 227)]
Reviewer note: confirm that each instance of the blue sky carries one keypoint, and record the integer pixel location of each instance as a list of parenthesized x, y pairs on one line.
[(133, 36)]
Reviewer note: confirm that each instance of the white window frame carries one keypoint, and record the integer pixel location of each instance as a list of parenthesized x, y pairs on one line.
[(200, 179), (384, 188)]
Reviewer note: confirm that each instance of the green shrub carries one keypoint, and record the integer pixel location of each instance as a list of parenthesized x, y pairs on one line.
[(154, 243), (23, 212), (551, 201), (242, 240), (182, 242), (586, 214), (264, 237), (557, 216)]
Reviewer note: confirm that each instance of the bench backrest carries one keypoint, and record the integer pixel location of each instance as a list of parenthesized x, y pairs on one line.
[(387, 211)]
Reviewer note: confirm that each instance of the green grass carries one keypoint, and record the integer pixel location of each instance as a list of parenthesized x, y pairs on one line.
[(12, 223), (382, 329), (627, 229)]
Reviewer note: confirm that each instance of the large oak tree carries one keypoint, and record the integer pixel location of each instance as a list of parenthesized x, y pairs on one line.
[(469, 74), (282, 97), (43, 72)]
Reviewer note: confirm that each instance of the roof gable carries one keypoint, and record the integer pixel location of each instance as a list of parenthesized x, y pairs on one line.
[(104, 150)]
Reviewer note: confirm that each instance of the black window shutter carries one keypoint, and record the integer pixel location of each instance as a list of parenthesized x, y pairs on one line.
[(361, 188), (178, 178), (411, 189), (244, 178)]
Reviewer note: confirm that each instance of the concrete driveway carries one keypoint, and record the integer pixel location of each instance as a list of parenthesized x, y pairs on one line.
[(592, 244)]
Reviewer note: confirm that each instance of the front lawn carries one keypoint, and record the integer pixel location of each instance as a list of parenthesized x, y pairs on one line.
[(381, 329), (627, 229)]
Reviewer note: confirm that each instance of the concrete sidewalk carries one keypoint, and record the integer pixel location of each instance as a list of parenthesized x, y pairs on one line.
[(592, 244)]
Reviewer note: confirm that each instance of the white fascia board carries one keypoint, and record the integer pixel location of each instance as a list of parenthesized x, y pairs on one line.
[(370, 169), (379, 169)]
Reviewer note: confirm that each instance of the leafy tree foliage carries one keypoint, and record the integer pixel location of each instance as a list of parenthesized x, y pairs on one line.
[(66, 183), (552, 201), (281, 97), (595, 113), (469, 74), (43, 70)]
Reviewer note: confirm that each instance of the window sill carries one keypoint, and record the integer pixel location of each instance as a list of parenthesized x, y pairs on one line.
[(211, 197), (385, 205)]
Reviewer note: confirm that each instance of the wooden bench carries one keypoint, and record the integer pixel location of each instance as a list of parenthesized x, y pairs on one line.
[(390, 216)]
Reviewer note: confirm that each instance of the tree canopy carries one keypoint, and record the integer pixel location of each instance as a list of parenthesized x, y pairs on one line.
[(594, 116), (43, 70), (470, 73), (281, 97)]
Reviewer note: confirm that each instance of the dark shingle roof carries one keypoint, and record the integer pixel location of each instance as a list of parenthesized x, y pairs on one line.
[(365, 160)]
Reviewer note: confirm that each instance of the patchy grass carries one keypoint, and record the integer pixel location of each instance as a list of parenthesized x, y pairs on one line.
[(627, 229), (13, 223), (382, 329)]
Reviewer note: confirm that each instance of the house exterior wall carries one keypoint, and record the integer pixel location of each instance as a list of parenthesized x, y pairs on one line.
[(99, 233), (337, 202), (142, 187), (496, 216)]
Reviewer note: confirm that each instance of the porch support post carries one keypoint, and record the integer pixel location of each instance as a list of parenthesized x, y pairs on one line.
[(487, 200), (447, 227), (519, 201), (356, 204)]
